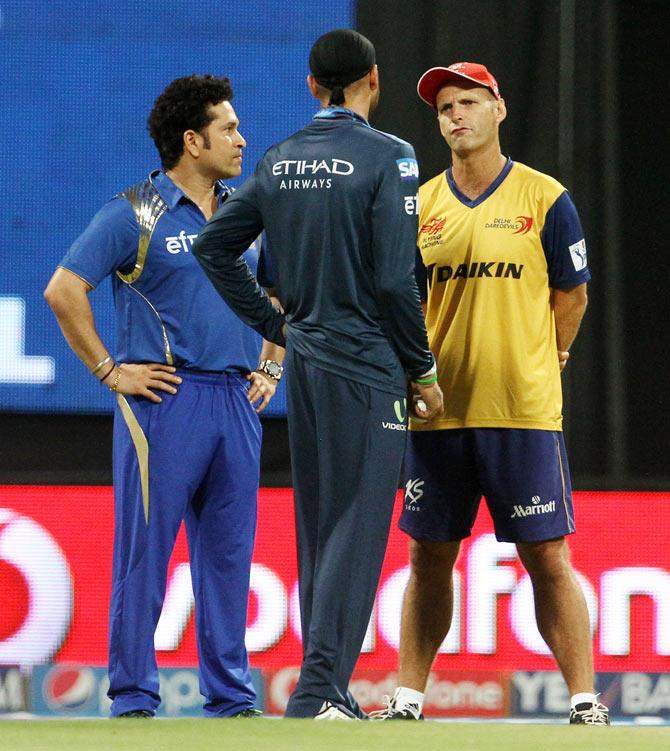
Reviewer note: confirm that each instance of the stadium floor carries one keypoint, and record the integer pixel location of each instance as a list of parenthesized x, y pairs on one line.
[(296, 735)]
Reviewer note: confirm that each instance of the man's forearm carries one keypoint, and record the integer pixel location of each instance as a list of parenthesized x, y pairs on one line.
[(219, 253), (569, 308), (68, 297)]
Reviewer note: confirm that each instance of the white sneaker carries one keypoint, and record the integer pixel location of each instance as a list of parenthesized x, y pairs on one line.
[(391, 711), (593, 713), (330, 710)]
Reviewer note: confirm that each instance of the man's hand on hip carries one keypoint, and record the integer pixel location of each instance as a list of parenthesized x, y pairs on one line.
[(139, 380)]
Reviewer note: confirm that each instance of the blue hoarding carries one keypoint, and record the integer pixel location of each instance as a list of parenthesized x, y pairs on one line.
[(77, 83), (73, 691)]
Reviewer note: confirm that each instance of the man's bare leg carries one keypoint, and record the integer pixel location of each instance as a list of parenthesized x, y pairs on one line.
[(560, 610), (426, 610)]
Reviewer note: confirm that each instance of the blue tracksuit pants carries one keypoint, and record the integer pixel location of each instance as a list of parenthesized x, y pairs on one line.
[(347, 441), (193, 457)]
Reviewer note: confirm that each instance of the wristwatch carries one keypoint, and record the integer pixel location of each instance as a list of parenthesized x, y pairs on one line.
[(271, 368)]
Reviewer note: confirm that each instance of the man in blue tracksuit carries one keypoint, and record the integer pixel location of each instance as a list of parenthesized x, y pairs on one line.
[(186, 375), (337, 201)]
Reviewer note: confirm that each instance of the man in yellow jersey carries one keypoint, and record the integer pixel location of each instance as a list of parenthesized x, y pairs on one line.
[(506, 274)]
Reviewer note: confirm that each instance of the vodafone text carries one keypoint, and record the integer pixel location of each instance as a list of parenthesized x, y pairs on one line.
[(484, 578)]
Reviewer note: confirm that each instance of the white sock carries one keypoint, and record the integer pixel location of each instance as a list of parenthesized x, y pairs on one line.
[(404, 696), (583, 698)]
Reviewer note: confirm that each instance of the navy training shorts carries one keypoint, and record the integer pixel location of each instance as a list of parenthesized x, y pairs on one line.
[(523, 475)]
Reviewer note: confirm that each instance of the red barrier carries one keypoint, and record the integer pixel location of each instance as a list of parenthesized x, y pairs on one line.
[(55, 553)]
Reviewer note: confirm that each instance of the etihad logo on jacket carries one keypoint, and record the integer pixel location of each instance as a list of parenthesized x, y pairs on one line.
[(521, 225), (476, 270), (314, 174)]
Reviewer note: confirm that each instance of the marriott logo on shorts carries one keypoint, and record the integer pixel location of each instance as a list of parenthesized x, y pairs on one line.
[(535, 509)]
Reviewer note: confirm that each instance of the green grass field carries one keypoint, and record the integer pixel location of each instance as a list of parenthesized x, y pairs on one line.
[(296, 735)]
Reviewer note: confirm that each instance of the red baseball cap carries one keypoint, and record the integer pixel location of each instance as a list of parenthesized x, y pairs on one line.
[(435, 78)]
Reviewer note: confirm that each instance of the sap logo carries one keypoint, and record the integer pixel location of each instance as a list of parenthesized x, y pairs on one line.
[(578, 253), (303, 167), (181, 243), (408, 168)]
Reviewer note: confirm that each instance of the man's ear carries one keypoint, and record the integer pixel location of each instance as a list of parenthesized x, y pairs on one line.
[(191, 143), (501, 113), (313, 86), (374, 77)]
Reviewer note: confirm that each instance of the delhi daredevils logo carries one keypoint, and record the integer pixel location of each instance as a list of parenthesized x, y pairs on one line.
[(37, 592), (525, 223)]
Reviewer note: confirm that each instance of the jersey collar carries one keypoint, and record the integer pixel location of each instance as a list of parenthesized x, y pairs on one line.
[(340, 113), (491, 189), (172, 195)]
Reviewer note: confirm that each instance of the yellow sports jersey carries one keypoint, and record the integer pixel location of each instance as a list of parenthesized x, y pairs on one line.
[(490, 265)]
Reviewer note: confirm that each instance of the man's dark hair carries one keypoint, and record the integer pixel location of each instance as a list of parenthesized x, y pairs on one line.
[(339, 58), (184, 105)]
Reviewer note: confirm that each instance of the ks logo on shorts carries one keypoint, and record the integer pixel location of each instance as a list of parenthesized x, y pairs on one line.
[(413, 494)]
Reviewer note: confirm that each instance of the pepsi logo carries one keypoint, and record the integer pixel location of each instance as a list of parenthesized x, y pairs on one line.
[(37, 591), (69, 689)]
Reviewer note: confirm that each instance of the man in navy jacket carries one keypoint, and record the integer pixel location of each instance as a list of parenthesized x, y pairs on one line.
[(337, 201)]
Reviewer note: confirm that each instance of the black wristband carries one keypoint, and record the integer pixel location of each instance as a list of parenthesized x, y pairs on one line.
[(109, 372)]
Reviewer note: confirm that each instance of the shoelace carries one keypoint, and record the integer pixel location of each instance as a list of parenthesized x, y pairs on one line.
[(382, 714), (390, 708), (595, 715)]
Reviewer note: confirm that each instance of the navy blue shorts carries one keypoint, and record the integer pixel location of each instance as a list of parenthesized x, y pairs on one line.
[(523, 474)]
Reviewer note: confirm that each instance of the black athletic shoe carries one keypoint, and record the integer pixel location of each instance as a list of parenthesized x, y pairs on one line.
[(142, 713), (248, 713), (391, 712), (589, 713)]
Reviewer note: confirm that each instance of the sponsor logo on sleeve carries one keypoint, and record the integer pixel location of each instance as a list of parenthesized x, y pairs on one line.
[(578, 254), (412, 205), (408, 168)]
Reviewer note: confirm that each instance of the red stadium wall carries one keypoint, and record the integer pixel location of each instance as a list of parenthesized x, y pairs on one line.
[(55, 552)]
